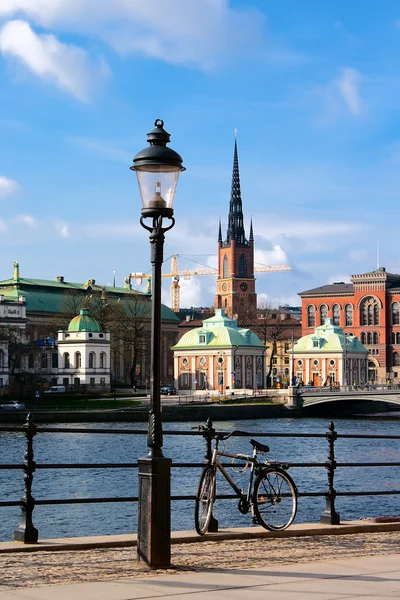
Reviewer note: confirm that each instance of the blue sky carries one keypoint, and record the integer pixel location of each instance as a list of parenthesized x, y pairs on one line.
[(312, 87)]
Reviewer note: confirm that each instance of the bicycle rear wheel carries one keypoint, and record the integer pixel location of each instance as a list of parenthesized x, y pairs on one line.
[(204, 500), (275, 499)]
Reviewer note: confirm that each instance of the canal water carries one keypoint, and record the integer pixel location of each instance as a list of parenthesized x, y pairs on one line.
[(118, 518)]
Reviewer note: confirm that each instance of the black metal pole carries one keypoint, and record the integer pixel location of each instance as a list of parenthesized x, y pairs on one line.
[(330, 516), (26, 532), (154, 508)]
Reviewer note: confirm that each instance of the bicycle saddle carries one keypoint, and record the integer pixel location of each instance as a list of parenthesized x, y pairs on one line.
[(258, 446)]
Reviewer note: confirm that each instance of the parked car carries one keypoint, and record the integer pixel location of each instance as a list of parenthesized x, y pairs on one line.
[(13, 406), (169, 390), (56, 389)]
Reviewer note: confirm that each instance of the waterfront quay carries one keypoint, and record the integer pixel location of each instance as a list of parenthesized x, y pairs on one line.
[(317, 563)]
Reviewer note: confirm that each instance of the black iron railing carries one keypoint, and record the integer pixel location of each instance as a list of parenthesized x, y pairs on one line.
[(27, 533)]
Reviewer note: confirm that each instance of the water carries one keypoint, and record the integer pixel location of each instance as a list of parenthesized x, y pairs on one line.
[(118, 518)]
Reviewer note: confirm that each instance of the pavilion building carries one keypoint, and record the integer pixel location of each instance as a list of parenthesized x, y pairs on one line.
[(219, 356)]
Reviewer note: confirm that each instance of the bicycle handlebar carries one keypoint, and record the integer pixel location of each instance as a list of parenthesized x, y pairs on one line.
[(219, 436)]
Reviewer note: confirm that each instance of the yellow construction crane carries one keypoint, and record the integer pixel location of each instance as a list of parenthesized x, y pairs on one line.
[(187, 273)]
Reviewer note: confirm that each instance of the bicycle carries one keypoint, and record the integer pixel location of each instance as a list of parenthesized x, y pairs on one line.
[(272, 500)]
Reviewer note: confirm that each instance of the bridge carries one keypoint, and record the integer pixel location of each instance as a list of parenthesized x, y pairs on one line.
[(314, 396)]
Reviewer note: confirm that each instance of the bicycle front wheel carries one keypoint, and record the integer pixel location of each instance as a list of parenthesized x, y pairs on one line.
[(204, 500), (275, 499)]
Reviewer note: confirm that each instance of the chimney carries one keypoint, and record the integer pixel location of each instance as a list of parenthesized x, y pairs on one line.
[(60, 279)]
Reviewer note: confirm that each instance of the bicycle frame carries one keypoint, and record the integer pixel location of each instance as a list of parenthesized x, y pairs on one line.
[(246, 498)]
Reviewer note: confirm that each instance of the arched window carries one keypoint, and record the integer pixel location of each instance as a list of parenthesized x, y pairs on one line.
[(396, 359), (336, 314), (242, 266), (348, 315), (225, 303), (369, 311), (225, 267), (92, 360), (363, 338), (310, 316), (395, 313), (393, 337), (376, 337), (1, 358), (369, 338), (398, 338), (102, 360), (66, 360), (323, 313), (78, 360)]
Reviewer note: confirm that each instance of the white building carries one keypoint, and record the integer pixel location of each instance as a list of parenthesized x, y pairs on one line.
[(83, 353)]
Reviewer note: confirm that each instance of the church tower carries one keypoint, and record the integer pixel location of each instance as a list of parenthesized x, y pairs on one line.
[(235, 283)]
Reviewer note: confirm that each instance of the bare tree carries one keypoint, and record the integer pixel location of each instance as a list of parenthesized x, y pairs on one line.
[(131, 330), (273, 326)]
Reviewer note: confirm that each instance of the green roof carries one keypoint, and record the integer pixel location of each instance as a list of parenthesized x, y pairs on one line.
[(331, 339), (84, 322), (43, 295), (219, 331)]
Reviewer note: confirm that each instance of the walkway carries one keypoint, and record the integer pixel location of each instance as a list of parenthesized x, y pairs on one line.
[(316, 566)]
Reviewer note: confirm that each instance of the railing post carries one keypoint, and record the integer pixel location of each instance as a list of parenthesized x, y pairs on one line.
[(26, 532), (208, 435), (330, 516)]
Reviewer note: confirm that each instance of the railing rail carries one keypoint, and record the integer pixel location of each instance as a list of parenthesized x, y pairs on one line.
[(27, 533)]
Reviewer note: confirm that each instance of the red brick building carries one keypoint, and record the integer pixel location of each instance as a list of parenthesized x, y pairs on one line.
[(368, 307), (236, 285)]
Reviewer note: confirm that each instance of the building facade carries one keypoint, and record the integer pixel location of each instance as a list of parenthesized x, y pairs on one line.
[(83, 354), (329, 356), (369, 308), (236, 284), (50, 305), (219, 356), (12, 330)]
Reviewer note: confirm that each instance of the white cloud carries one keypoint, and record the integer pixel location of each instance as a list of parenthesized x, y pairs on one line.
[(358, 255), (64, 65), (305, 230), (3, 226), (8, 187), (276, 256), (181, 32), (339, 278), (27, 220), (62, 229), (101, 149), (340, 96), (348, 84)]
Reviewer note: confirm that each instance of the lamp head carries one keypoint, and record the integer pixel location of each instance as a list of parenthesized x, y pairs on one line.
[(157, 168)]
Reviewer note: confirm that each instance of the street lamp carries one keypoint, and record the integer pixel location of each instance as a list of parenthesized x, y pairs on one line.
[(220, 362), (157, 168), (292, 380)]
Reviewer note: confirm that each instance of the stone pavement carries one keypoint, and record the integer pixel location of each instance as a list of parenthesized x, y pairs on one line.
[(317, 566), (335, 579)]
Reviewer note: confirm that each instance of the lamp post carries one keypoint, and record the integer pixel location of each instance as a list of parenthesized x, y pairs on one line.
[(292, 363), (157, 168), (220, 362)]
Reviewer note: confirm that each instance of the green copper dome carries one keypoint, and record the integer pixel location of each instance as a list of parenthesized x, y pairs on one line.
[(84, 322)]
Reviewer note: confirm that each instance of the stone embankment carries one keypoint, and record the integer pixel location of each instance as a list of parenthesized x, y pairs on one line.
[(27, 569)]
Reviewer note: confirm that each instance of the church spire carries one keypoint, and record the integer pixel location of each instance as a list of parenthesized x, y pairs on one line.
[(251, 238), (235, 221), (220, 232)]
